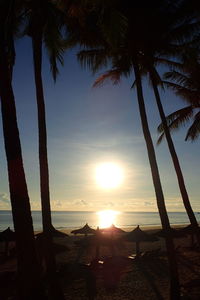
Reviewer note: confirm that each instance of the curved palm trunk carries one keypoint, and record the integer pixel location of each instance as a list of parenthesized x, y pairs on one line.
[(29, 286), (55, 291), (173, 268), (175, 160)]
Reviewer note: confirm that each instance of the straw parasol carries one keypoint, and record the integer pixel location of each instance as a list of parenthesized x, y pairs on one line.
[(84, 230), (137, 235), (7, 235), (54, 233), (112, 229), (96, 241)]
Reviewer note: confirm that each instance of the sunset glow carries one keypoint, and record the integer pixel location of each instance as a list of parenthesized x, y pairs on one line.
[(109, 175), (107, 218)]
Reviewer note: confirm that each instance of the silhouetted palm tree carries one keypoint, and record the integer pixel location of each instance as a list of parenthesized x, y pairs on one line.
[(126, 58), (29, 284), (44, 26)]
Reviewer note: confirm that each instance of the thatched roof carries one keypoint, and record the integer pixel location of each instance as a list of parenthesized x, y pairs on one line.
[(7, 235), (84, 230), (138, 235), (112, 229), (54, 233)]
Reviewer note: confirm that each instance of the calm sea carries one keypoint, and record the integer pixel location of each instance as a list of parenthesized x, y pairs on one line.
[(73, 219)]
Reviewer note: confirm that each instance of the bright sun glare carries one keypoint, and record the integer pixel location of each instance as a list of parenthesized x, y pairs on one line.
[(107, 218), (109, 175)]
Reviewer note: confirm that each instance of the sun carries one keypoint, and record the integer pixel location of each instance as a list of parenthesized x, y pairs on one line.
[(107, 217), (109, 175)]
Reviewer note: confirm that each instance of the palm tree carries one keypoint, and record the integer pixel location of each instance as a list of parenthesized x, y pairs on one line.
[(125, 59), (44, 25), (29, 284), (174, 157), (174, 33)]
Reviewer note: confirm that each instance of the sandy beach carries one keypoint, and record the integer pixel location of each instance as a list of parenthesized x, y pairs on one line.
[(130, 278)]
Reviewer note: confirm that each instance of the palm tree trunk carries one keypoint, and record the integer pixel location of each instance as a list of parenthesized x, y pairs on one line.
[(29, 286), (43, 159), (173, 268), (44, 171), (175, 160)]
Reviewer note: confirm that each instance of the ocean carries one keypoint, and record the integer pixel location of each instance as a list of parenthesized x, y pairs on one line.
[(75, 219)]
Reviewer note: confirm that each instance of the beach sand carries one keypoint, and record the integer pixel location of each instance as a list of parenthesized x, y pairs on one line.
[(138, 279)]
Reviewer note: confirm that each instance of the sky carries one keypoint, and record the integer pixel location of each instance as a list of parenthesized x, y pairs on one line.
[(89, 126)]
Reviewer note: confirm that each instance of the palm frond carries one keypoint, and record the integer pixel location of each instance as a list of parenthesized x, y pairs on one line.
[(160, 139), (178, 77), (53, 38), (176, 119), (93, 59), (114, 27), (113, 75), (190, 96), (168, 63), (185, 32), (194, 130)]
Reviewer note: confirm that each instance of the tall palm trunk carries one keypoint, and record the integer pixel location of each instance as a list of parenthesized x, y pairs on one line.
[(29, 286), (173, 268), (44, 172), (43, 159), (175, 160)]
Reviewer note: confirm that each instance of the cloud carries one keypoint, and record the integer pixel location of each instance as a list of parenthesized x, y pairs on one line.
[(4, 198), (148, 203), (80, 202), (4, 201)]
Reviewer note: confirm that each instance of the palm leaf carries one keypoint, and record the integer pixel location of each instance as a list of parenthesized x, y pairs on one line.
[(194, 129), (190, 96), (175, 120), (93, 59), (160, 139), (114, 75), (53, 38)]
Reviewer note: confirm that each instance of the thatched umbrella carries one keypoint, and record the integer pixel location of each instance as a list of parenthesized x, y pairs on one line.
[(54, 233), (137, 235), (84, 230), (96, 241), (7, 236), (112, 229)]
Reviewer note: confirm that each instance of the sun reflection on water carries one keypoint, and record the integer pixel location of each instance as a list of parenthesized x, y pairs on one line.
[(107, 218)]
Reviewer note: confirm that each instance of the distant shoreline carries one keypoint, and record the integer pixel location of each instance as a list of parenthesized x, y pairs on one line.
[(130, 228), (72, 220), (94, 211)]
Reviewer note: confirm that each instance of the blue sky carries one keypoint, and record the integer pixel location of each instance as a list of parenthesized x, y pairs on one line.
[(88, 126)]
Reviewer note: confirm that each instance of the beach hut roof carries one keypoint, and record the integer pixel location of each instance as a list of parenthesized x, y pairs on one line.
[(112, 229), (7, 235), (84, 230), (54, 233), (138, 235)]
